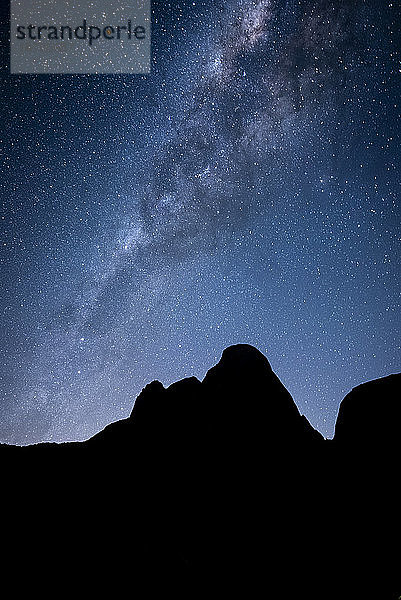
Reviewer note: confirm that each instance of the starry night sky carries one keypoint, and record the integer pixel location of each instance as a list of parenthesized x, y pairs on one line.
[(244, 191)]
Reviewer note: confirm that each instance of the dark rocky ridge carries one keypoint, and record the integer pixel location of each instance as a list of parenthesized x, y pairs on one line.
[(213, 488)]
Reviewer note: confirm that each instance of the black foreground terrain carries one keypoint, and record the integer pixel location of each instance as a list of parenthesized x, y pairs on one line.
[(212, 489)]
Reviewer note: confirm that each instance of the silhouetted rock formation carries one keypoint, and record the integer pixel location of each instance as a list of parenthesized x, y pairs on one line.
[(213, 488), (248, 400), (370, 416)]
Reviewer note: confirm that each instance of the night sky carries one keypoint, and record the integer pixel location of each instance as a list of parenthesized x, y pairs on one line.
[(244, 191)]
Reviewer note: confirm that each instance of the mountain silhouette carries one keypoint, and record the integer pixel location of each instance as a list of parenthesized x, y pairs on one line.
[(213, 488), (370, 416)]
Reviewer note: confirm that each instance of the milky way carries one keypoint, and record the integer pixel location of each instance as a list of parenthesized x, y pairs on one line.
[(244, 191)]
